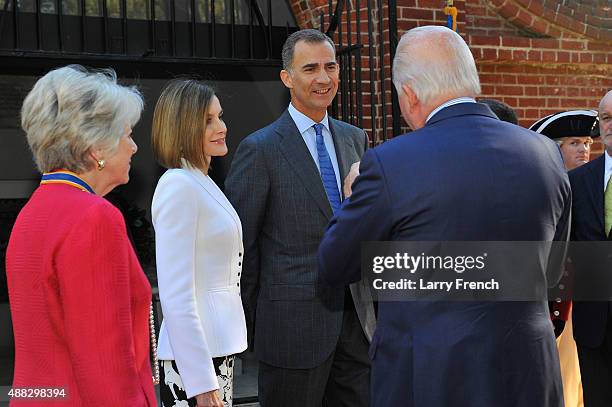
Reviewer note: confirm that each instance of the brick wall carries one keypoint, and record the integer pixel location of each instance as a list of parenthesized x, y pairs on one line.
[(539, 56), (559, 60)]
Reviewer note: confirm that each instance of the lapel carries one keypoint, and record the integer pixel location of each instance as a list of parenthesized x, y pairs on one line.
[(208, 185), (595, 187), (344, 147), (296, 153)]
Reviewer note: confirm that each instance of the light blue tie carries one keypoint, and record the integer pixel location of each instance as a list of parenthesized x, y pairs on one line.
[(327, 170)]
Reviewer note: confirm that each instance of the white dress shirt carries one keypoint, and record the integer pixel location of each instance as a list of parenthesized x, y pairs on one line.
[(450, 103), (304, 125), (607, 169)]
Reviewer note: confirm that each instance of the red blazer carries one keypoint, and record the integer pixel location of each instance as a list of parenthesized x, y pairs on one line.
[(79, 302)]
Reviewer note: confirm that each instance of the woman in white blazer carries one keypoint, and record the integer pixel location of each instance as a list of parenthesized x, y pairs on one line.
[(198, 241)]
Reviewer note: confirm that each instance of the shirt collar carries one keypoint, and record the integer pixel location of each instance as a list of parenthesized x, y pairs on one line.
[(304, 122), (607, 162), (451, 102)]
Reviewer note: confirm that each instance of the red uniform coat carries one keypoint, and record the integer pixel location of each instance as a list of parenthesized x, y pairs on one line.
[(79, 302)]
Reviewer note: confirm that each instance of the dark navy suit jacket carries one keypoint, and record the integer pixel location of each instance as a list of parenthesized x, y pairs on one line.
[(466, 176), (589, 318), (276, 188)]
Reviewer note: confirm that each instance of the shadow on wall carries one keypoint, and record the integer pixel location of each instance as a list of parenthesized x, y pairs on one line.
[(248, 105)]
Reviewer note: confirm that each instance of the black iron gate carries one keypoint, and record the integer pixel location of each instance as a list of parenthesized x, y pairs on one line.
[(379, 103), (224, 31)]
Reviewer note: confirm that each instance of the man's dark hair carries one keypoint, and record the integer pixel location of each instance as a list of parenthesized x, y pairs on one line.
[(309, 36), (501, 110)]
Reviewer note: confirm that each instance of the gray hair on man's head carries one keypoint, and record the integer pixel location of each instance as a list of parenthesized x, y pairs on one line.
[(71, 110), (309, 36), (435, 62)]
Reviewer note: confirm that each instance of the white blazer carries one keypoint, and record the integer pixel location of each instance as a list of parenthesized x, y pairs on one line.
[(198, 242)]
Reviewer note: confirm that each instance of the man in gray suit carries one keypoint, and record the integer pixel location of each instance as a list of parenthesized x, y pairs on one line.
[(285, 183)]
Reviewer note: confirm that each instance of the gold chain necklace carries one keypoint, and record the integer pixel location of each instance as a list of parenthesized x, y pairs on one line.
[(153, 345)]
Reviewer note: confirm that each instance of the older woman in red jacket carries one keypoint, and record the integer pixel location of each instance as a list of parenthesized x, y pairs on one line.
[(79, 299)]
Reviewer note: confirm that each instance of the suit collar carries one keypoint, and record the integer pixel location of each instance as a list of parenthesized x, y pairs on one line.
[(344, 146), (461, 109), (450, 103), (296, 153)]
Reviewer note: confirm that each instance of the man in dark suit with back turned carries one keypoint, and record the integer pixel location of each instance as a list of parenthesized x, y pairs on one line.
[(461, 175), (285, 183), (591, 221)]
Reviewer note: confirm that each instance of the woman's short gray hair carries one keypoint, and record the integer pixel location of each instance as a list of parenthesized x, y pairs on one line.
[(70, 110), (435, 61)]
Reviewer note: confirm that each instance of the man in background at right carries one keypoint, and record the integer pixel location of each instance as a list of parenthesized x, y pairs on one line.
[(592, 221)]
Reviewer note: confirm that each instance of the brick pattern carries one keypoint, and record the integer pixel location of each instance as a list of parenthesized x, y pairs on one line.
[(482, 19), (557, 63), (554, 17), (539, 56), (307, 12), (531, 56), (539, 50), (537, 91)]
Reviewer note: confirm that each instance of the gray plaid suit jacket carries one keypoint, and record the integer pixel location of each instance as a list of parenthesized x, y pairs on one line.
[(276, 188)]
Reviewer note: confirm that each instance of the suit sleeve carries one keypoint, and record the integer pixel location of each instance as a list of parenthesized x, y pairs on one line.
[(175, 218), (560, 270), (366, 141), (247, 187), (365, 216), (556, 261), (93, 266)]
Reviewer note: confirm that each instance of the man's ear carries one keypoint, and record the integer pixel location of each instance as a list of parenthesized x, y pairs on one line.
[(286, 78), (412, 97)]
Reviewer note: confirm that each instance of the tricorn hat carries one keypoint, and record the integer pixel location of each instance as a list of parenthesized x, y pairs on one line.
[(573, 123)]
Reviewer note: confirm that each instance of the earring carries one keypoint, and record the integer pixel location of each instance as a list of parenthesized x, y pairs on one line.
[(100, 165)]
